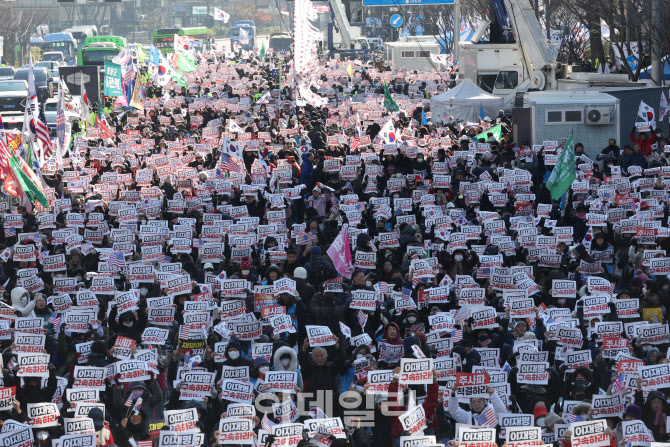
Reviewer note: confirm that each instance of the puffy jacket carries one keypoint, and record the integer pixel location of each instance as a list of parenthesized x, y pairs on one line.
[(645, 145)]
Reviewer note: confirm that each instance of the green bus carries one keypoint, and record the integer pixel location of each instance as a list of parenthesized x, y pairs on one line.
[(164, 38), (98, 49)]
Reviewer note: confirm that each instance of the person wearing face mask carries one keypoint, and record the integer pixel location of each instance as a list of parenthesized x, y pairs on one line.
[(285, 359), (262, 366), (21, 301), (477, 407), (234, 356), (32, 391), (128, 326), (460, 263)]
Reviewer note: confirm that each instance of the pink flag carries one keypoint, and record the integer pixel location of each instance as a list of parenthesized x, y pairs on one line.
[(340, 253)]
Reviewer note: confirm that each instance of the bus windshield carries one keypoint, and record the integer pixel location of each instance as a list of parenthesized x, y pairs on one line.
[(98, 56), (236, 30), (64, 46)]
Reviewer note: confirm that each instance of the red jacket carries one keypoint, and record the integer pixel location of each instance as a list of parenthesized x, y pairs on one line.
[(645, 146), (429, 406)]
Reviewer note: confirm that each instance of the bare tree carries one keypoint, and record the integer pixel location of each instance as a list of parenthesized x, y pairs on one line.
[(438, 20), (16, 27), (631, 29)]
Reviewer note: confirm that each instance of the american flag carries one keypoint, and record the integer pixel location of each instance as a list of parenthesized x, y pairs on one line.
[(488, 418), (619, 384), (362, 318), (42, 131), (132, 396), (267, 424), (55, 321), (571, 418), (4, 157), (456, 335), (184, 332), (231, 164), (355, 142), (116, 261), (219, 174)]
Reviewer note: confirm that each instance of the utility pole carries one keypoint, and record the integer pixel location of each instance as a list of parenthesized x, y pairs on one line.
[(134, 18), (547, 18), (656, 66), (456, 34)]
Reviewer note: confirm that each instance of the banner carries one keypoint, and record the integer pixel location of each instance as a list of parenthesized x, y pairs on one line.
[(113, 80)]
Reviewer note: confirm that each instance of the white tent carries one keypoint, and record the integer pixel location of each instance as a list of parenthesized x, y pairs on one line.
[(464, 102)]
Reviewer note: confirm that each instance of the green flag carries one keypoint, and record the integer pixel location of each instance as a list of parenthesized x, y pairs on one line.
[(564, 172), (31, 190), (179, 79), (262, 53), (495, 130), (184, 64), (389, 103), (28, 157)]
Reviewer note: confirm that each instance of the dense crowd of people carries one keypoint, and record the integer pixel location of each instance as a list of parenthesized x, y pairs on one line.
[(230, 266)]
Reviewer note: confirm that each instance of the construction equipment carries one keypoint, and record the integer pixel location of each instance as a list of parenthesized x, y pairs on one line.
[(518, 58)]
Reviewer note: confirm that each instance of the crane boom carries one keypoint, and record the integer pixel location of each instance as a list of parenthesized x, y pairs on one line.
[(342, 22), (532, 41)]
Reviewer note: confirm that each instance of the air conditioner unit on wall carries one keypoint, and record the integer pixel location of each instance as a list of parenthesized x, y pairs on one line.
[(598, 115)]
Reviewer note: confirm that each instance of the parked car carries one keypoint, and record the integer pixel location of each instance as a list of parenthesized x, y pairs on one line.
[(13, 96), (43, 81), (7, 73)]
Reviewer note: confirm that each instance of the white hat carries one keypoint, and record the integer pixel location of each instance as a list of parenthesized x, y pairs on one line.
[(300, 272), (208, 265)]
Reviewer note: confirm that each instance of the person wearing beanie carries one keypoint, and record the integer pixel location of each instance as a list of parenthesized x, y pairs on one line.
[(639, 273), (305, 290), (272, 274), (234, 355), (300, 273), (540, 412), (101, 427), (550, 421), (151, 394), (261, 367), (631, 413)]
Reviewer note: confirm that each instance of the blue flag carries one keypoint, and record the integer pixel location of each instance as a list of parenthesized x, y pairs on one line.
[(481, 111), (424, 121)]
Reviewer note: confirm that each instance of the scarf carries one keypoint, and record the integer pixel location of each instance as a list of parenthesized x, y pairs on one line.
[(659, 421)]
